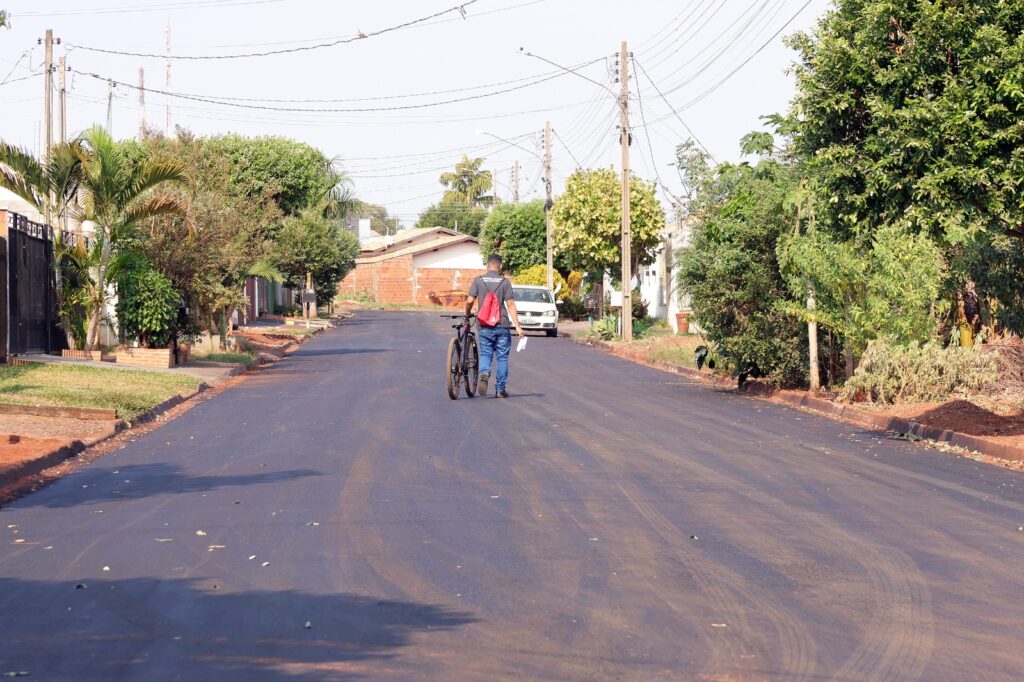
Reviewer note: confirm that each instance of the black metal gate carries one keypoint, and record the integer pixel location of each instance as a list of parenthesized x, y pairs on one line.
[(31, 288)]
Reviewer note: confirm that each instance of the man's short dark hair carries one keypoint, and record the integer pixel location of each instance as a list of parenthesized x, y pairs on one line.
[(495, 260)]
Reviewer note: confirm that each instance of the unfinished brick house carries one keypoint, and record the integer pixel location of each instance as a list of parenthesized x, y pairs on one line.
[(425, 265)]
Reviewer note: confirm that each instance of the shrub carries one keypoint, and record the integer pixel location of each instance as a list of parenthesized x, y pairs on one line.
[(573, 308), (639, 305), (147, 306), (537, 276), (890, 373), (606, 329)]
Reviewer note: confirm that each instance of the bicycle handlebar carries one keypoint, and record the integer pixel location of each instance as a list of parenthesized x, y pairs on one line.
[(457, 317)]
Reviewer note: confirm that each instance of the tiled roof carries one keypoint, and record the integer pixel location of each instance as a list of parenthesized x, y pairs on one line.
[(402, 239), (447, 238)]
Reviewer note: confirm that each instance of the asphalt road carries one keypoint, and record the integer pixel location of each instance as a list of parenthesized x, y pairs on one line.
[(338, 517)]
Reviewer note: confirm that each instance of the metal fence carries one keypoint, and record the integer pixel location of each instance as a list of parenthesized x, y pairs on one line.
[(31, 289)]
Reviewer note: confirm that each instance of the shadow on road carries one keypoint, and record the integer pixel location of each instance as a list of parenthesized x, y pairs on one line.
[(138, 481), (195, 629)]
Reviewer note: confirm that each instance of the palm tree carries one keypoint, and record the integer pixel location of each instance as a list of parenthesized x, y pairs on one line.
[(51, 189), (468, 184), (116, 197)]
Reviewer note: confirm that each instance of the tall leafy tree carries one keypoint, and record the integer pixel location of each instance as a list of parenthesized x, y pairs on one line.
[(587, 222), (51, 189), (311, 243), (458, 216), (739, 296), (117, 197), (468, 184), (518, 233), (912, 114)]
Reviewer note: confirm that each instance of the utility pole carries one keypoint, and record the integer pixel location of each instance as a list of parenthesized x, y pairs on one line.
[(548, 203), (142, 103), (62, 89), (515, 182), (110, 107), (168, 80), (627, 258), (48, 108)]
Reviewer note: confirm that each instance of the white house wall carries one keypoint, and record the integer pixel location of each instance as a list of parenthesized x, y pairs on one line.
[(465, 255)]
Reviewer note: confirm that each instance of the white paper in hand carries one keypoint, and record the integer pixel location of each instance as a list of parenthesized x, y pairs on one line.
[(521, 345)]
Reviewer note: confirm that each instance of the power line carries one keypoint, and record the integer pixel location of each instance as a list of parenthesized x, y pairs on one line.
[(639, 66), (15, 80), (647, 135), (461, 9), (559, 138), (323, 110)]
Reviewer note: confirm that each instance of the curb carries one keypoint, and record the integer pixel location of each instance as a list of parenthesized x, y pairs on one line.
[(826, 408), (35, 466)]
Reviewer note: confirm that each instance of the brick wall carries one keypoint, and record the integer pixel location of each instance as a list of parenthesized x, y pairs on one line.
[(146, 357), (395, 281)]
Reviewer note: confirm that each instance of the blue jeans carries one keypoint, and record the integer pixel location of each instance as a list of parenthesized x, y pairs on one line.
[(495, 341)]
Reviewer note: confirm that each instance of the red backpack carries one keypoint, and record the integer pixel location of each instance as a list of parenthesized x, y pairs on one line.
[(489, 314)]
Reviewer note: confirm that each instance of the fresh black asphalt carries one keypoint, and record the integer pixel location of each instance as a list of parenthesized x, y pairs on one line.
[(337, 517)]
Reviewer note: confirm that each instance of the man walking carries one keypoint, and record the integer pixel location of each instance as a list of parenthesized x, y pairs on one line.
[(495, 338)]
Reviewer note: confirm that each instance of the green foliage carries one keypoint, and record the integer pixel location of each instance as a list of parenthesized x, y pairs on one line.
[(467, 184), (454, 216), (639, 305), (587, 221), (537, 275), (380, 221), (208, 250), (606, 329), (888, 287), (295, 174), (732, 275), (147, 305), (311, 243), (912, 114), (892, 373), (518, 233)]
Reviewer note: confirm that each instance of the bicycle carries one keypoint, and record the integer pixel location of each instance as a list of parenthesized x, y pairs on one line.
[(463, 360)]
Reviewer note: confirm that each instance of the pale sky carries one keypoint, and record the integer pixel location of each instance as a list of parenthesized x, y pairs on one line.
[(691, 50)]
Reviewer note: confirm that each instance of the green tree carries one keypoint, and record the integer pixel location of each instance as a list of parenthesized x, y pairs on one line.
[(518, 233), (380, 221), (311, 243), (3, 19), (51, 189), (294, 173), (587, 220), (117, 197), (147, 305), (224, 233), (912, 114), (459, 217), (739, 296), (468, 184)]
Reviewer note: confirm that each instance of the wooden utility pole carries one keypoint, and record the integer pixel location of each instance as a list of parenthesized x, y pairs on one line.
[(515, 182), (142, 103), (624, 135), (48, 108), (110, 107), (167, 81), (62, 89), (548, 203)]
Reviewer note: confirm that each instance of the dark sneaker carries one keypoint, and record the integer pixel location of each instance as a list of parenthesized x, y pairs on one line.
[(502, 394), (481, 386)]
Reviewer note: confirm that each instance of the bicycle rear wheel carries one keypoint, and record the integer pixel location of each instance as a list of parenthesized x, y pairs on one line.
[(454, 367), (472, 367)]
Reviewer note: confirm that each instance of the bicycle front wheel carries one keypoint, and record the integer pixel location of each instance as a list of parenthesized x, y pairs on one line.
[(472, 359), (454, 367)]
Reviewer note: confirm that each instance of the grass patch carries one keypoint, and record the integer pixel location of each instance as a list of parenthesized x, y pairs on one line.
[(129, 392), (234, 358)]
